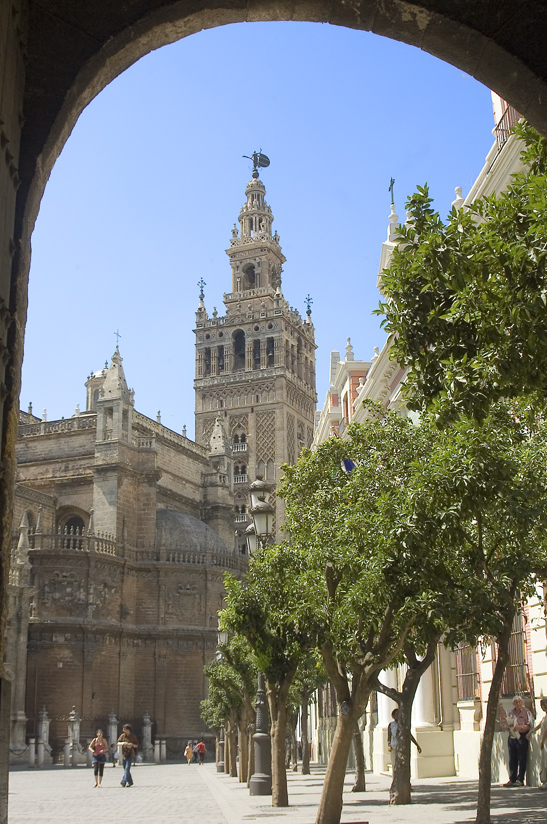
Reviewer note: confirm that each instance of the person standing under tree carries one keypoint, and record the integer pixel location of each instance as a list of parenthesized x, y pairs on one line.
[(519, 723), (393, 732), (129, 753)]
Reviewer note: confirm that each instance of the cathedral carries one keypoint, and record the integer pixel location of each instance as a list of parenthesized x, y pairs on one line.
[(124, 529)]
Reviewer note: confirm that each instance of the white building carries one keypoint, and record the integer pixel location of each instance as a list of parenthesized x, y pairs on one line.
[(450, 705)]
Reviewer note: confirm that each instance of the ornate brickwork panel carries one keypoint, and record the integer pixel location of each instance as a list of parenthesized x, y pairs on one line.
[(207, 431), (265, 436), (291, 449), (239, 420)]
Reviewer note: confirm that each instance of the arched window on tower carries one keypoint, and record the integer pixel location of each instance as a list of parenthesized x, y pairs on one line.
[(256, 353), (249, 273), (270, 352), (239, 350), (207, 361)]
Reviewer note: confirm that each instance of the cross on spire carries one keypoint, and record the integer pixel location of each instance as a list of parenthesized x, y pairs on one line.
[(308, 300), (391, 185), (118, 336)]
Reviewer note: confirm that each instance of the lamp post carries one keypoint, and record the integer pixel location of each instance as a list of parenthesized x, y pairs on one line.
[(258, 534), (222, 638)]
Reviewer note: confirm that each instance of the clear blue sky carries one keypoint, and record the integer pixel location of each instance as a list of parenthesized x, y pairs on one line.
[(141, 202)]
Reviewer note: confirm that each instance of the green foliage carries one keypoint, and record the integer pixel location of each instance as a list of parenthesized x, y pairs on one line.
[(467, 299), (266, 608), (232, 679), (482, 499), (366, 586)]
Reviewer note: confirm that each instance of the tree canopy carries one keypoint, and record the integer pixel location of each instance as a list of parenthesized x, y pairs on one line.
[(466, 299)]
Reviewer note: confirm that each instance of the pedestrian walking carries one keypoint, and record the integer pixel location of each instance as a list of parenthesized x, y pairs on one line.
[(129, 753), (99, 748), (188, 753), (202, 749)]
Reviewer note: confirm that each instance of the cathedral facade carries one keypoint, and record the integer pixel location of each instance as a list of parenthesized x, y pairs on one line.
[(125, 532), (124, 529)]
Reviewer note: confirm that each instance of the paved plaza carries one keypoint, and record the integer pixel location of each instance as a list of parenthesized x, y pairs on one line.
[(180, 793)]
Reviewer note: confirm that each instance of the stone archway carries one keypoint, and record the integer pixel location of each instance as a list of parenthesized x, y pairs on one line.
[(58, 55)]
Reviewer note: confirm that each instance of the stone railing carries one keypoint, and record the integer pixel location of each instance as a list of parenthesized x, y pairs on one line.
[(167, 434), (73, 539), (77, 423)]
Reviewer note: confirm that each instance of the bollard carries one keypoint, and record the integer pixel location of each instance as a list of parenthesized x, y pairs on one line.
[(40, 753), (156, 751), (163, 751), (31, 753), (66, 753)]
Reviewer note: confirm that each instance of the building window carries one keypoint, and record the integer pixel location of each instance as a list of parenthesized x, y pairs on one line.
[(239, 350), (516, 680), (270, 352), (256, 354), (220, 358), (207, 361), (467, 672)]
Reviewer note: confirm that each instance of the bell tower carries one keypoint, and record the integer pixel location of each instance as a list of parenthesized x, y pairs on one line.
[(255, 366)]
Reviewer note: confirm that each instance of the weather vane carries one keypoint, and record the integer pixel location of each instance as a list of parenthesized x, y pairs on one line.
[(201, 284), (391, 185), (259, 161), (308, 300), (118, 336)]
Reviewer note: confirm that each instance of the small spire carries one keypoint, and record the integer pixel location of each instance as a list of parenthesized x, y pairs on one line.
[(158, 416), (30, 408), (44, 415), (349, 350), (308, 300), (201, 284), (184, 431), (393, 224), (458, 203)]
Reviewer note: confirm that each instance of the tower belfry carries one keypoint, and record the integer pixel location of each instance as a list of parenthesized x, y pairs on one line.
[(255, 366)]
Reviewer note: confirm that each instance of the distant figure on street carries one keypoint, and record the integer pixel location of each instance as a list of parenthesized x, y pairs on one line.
[(195, 753), (188, 753), (201, 751), (393, 733), (129, 753), (114, 753), (542, 727), (519, 722), (99, 748)]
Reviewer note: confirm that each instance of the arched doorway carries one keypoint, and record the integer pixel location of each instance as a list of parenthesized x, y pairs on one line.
[(55, 63)]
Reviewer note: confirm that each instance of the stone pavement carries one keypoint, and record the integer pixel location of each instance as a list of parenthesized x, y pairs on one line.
[(180, 793)]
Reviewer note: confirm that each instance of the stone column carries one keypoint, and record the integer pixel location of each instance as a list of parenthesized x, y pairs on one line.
[(156, 751), (163, 751), (147, 748), (31, 752), (66, 752), (40, 753), (112, 736), (424, 710)]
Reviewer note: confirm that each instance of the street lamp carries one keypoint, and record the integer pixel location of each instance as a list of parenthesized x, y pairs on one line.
[(262, 513), (258, 535)]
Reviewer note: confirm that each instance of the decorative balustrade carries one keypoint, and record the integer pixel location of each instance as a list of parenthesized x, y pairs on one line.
[(77, 423), (503, 128), (239, 447), (73, 538), (240, 518), (240, 479)]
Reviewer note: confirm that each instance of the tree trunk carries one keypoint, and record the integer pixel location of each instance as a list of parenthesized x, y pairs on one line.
[(359, 755), (232, 748), (247, 718), (399, 792), (278, 732), (305, 738), (251, 752), (330, 806), (485, 759)]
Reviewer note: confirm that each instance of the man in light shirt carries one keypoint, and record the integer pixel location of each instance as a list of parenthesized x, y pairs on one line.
[(519, 722)]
